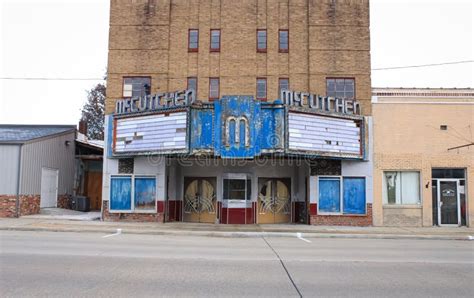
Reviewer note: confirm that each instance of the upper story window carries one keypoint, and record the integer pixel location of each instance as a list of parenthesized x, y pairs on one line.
[(283, 41), (193, 40), (213, 88), (283, 84), (215, 40), (262, 40), (340, 87), (136, 86), (192, 85), (261, 88)]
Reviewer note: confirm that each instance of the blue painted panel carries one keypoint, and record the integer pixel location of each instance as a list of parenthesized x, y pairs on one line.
[(202, 124), (329, 195), (354, 195), (110, 134), (240, 109), (271, 136), (121, 193), (145, 193)]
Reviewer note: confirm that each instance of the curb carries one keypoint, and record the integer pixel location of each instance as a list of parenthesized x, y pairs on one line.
[(246, 234)]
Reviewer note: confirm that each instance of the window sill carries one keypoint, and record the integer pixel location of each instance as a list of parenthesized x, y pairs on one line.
[(404, 206), (193, 51), (340, 214), (133, 212)]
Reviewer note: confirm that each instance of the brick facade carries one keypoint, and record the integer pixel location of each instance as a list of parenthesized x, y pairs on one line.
[(342, 220), (64, 201), (408, 137), (132, 217), (326, 39), (29, 204)]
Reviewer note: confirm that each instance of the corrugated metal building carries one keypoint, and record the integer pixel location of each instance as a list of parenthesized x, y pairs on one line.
[(37, 167)]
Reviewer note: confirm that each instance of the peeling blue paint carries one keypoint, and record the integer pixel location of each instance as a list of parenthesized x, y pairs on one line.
[(110, 131), (202, 125), (242, 127)]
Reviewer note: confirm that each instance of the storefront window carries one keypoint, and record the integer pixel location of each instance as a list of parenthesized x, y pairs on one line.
[(401, 188)]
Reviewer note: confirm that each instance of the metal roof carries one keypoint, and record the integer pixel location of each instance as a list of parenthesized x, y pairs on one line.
[(18, 134)]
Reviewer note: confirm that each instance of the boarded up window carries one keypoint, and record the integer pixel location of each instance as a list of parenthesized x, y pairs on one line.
[(342, 195), (192, 84), (136, 86), (125, 166), (145, 193), (330, 195), (283, 84), (354, 195), (121, 193)]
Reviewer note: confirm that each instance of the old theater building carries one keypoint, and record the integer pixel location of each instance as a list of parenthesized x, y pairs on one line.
[(239, 112)]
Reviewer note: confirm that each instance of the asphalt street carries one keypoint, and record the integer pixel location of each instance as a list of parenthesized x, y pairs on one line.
[(80, 264)]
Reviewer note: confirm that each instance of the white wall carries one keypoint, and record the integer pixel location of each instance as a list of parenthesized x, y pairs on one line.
[(9, 167)]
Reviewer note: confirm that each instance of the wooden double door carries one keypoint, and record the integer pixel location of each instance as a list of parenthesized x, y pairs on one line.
[(274, 200), (200, 202)]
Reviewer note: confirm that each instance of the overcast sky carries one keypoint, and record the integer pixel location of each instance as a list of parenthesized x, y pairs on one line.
[(68, 39)]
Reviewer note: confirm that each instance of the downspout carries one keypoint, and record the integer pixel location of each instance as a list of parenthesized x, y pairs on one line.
[(17, 203)]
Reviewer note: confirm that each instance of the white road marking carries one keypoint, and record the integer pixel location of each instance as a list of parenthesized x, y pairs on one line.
[(119, 231), (301, 238)]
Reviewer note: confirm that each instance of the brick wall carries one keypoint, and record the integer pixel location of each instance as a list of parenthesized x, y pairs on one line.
[(342, 220), (29, 204), (132, 217), (407, 137), (64, 202), (7, 206), (326, 39)]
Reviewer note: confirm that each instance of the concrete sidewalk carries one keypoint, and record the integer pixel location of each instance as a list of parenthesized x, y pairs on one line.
[(212, 230), (67, 214)]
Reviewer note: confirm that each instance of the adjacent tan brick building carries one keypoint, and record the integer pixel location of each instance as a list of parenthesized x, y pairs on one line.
[(427, 133), (327, 39)]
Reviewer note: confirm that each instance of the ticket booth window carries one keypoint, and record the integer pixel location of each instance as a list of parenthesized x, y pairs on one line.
[(237, 189)]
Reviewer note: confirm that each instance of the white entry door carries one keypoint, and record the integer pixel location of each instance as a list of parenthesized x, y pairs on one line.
[(49, 187)]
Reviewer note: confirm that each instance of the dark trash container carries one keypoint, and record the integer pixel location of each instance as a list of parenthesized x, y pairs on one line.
[(80, 203)]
